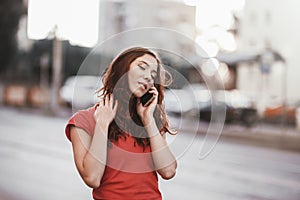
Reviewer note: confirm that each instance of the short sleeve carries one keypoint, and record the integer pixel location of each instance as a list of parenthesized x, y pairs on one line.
[(82, 119)]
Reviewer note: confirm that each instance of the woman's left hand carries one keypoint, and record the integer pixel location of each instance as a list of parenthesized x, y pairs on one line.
[(146, 112)]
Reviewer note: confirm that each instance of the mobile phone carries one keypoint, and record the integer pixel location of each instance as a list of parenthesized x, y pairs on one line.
[(146, 99)]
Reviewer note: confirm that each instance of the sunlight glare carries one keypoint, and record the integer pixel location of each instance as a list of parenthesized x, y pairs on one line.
[(76, 20)]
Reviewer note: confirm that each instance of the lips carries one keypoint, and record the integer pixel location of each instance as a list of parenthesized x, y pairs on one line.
[(144, 85)]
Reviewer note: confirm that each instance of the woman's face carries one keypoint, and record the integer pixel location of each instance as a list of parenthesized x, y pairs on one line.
[(141, 74)]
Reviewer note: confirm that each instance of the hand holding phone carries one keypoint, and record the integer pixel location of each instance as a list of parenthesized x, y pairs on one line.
[(147, 105), (146, 99)]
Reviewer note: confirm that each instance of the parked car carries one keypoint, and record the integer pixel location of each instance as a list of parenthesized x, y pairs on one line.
[(197, 98), (178, 101), (188, 99), (282, 113), (298, 118), (237, 107), (79, 91)]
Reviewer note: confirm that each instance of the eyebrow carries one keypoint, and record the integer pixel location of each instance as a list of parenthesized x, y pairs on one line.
[(147, 65)]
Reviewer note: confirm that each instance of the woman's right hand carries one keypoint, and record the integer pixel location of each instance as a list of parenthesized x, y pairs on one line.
[(106, 110)]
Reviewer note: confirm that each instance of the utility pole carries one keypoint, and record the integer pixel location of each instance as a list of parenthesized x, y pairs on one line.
[(56, 72)]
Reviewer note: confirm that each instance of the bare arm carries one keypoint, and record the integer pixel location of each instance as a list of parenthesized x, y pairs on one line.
[(164, 161), (90, 153), (163, 158)]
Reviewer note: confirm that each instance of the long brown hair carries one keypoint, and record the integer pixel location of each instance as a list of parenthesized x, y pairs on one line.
[(127, 120)]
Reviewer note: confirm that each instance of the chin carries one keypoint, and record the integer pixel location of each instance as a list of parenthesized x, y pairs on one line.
[(138, 93)]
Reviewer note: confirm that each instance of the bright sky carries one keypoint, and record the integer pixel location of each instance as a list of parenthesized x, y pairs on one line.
[(213, 19), (77, 20), (216, 12)]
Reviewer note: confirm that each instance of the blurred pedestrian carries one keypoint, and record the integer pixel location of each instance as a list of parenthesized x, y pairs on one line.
[(119, 144)]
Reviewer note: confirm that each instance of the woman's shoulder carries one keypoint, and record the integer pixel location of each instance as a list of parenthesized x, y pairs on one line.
[(85, 114), (82, 119)]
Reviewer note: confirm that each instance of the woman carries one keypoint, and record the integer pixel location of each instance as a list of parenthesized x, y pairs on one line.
[(119, 144)]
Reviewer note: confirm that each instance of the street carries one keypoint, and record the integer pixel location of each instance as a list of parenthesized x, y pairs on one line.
[(37, 163)]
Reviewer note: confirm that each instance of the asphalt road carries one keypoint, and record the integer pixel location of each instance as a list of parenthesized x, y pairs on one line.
[(36, 163)]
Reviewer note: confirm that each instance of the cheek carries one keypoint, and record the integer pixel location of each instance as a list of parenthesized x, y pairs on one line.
[(134, 75), (131, 81)]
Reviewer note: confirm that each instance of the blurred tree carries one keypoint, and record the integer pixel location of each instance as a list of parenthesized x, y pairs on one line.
[(10, 13)]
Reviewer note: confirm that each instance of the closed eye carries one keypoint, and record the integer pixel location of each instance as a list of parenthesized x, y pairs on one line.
[(141, 66), (153, 75)]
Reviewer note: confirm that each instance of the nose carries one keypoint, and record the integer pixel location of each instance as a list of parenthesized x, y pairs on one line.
[(147, 77)]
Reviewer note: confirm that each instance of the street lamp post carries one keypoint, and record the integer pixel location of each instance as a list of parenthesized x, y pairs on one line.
[(56, 70)]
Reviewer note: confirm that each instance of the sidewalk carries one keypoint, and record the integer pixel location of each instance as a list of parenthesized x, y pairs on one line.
[(267, 135)]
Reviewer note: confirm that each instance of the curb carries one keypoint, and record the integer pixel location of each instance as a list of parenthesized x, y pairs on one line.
[(262, 135), (283, 142)]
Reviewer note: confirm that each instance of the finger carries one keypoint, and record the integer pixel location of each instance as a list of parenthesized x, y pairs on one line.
[(115, 107), (97, 108), (100, 103), (155, 93), (106, 100), (139, 103), (111, 100), (153, 89), (103, 100)]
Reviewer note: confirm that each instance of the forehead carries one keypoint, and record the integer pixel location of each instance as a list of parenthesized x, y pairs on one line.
[(148, 59)]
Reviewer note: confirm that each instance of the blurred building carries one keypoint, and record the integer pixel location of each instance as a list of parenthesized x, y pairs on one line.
[(119, 15), (269, 29)]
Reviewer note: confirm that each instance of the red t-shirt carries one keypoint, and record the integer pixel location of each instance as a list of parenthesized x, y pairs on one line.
[(129, 169)]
